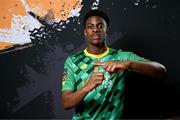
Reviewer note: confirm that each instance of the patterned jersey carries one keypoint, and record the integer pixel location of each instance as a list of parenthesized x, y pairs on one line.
[(105, 101)]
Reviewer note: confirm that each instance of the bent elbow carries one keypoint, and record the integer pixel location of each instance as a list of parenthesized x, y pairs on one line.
[(66, 107), (161, 72)]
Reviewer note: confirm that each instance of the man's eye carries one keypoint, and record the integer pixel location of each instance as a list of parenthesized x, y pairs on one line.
[(101, 26), (89, 26)]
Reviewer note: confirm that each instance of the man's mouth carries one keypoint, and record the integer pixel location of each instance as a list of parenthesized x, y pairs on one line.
[(95, 37)]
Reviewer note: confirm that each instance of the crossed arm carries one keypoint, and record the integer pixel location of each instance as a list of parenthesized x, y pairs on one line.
[(71, 99)]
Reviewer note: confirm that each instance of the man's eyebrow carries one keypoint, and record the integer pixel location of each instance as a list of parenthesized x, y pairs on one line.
[(93, 24), (100, 23), (90, 24)]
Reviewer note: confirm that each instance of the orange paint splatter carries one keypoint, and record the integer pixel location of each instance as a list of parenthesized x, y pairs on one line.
[(47, 9), (61, 8), (8, 8), (4, 45)]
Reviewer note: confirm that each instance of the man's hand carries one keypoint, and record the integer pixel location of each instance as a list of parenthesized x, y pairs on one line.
[(114, 66), (95, 80), (73, 98)]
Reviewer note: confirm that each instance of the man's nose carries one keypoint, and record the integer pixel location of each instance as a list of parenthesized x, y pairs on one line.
[(95, 29)]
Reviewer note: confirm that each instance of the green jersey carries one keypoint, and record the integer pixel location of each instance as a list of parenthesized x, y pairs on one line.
[(105, 101)]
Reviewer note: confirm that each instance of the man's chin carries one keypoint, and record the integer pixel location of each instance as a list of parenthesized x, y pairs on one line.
[(98, 43)]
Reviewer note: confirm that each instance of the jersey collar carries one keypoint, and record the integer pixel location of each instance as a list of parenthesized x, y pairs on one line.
[(96, 56)]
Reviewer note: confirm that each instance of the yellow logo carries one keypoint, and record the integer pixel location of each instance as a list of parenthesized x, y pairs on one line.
[(84, 66)]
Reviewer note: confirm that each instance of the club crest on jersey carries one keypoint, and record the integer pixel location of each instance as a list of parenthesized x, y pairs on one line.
[(84, 66)]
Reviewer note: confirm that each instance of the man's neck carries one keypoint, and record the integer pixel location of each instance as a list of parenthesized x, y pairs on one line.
[(96, 49)]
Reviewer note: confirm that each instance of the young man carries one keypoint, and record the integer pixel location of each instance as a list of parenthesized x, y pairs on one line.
[(93, 80)]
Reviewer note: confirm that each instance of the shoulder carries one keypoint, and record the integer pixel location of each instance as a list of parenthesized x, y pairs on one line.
[(129, 55), (78, 54), (74, 56), (121, 54), (124, 53)]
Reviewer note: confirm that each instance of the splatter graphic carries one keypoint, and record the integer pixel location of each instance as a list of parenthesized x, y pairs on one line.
[(136, 2), (40, 22), (95, 5), (55, 9), (16, 20), (145, 3)]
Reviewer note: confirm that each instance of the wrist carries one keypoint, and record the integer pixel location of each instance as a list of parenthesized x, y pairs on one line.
[(84, 89)]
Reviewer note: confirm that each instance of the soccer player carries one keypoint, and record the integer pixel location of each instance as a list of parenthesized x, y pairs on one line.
[(93, 79)]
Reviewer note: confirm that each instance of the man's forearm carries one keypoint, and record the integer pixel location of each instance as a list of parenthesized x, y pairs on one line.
[(153, 69), (71, 99)]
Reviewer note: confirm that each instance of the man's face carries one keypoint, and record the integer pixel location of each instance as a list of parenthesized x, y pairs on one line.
[(95, 30)]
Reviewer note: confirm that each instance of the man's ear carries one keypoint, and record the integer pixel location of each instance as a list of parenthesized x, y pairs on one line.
[(85, 32)]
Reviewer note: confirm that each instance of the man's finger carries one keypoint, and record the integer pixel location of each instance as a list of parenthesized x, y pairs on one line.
[(95, 69), (97, 63)]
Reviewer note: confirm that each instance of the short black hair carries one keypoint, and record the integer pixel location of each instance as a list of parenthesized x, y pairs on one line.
[(96, 12)]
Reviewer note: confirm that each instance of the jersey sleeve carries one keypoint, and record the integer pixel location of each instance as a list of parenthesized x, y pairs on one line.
[(134, 57), (125, 56), (68, 81)]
